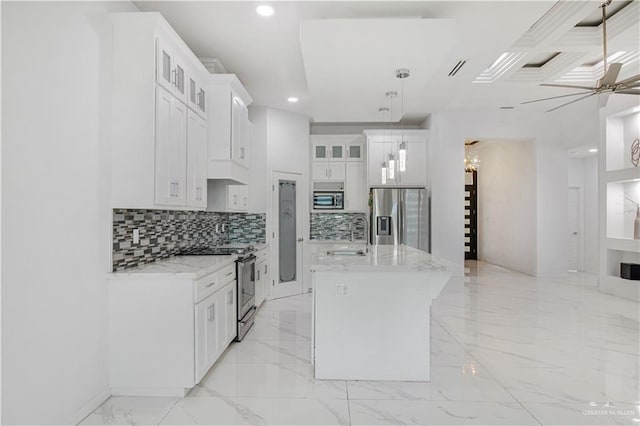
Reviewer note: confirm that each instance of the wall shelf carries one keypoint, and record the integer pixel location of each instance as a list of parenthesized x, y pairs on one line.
[(630, 174), (624, 244)]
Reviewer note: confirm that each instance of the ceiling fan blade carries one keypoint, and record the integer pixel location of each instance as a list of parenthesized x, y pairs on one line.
[(628, 91), (569, 86), (554, 97), (611, 74), (630, 80), (575, 100)]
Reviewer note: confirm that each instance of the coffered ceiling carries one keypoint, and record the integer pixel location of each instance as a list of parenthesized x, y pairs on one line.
[(339, 58)]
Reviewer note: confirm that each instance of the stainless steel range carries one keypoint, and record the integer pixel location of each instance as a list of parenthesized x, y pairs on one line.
[(246, 281)]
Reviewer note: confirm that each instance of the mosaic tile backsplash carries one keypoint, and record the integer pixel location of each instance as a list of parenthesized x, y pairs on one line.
[(163, 233), (336, 226), (247, 228)]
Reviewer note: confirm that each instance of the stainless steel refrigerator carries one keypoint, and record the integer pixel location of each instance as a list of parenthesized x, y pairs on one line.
[(401, 216)]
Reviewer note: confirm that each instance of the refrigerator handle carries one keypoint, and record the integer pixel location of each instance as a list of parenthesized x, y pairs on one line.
[(401, 209)]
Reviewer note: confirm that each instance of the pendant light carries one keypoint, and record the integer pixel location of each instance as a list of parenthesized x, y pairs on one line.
[(402, 73), (392, 166), (383, 169), (391, 163)]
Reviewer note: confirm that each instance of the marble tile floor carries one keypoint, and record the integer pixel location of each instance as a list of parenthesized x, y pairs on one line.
[(507, 349)]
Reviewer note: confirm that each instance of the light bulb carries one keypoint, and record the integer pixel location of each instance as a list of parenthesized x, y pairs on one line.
[(392, 168), (384, 173), (402, 157)]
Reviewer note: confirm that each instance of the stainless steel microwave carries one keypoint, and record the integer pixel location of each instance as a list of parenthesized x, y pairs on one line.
[(328, 200)]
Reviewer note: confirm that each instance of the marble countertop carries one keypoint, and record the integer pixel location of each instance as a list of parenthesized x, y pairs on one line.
[(193, 267), (380, 258)]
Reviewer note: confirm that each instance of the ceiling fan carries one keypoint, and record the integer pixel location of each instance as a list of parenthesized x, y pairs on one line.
[(604, 86)]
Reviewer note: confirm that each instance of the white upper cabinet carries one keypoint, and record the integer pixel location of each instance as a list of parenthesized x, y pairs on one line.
[(229, 128), (157, 145), (380, 144), (322, 151), (354, 151), (196, 94), (355, 191), (196, 160), (171, 69)]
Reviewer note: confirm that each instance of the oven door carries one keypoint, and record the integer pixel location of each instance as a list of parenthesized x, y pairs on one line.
[(246, 285)]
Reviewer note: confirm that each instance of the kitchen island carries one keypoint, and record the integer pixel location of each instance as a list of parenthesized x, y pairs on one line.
[(371, 312)]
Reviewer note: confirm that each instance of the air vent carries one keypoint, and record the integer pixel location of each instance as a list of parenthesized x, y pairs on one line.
[(456, 68)]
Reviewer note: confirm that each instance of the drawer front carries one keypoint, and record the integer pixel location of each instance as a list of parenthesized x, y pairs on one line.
[(207, 286), (227, 274)]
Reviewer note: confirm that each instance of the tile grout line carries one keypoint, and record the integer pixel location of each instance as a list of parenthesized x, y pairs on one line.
[(504, 387), (346, 386), (171, 408)]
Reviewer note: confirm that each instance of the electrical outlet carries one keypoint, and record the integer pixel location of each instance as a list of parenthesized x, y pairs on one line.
[(341, 290), (217, 228), (224, 227), (136, 236)]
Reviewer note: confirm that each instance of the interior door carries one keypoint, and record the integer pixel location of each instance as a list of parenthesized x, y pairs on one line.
[(572, 255), (287, 234)]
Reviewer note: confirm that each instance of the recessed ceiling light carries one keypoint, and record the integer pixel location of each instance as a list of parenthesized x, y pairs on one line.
[(292, 99), (593, 150), (264, 10)]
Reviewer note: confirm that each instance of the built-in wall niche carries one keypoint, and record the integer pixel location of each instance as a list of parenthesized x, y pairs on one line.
[(621, 210), (622, 130), (615, 257)]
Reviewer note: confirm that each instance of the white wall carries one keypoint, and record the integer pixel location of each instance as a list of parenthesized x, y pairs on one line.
[(507, 204), (258, 157), (56, 212), (450, 130)]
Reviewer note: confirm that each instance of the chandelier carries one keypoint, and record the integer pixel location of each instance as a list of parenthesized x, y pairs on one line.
[(471, 163)]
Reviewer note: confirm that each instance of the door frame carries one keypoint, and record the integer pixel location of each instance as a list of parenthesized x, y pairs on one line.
[(295, 287)]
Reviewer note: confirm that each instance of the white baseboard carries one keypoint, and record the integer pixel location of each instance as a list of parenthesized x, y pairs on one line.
[(175, 392), (88, 408)]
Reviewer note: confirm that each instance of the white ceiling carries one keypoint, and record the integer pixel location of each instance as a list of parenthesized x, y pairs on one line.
[(339, 58)]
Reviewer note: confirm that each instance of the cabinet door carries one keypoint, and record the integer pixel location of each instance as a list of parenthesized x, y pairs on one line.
[(355, 151), (336, 171), (320, 151), (196, 160), (376, 157), (243, 198), (259, 283), (192, 92), (239, 131), (336, 151), (233, 197), (201, 99), (213, 330), (229, 295), (416, 172), (319, 170), (354, 187), (206, 345), (170, 149), (164, 64)]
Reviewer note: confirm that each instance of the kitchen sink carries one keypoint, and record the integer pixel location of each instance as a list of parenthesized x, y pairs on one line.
[(346, 252)]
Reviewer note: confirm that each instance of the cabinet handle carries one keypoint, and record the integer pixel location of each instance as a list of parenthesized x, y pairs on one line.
[(257, 274), (230, 298), (330, 172), (174, 79), (209, 312), (265, 269), (210, 284), (213, 312), (242, 152), (229, 273), (235, 199)]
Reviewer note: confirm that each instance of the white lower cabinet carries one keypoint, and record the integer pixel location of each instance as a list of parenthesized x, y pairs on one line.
[(166, 332), (262, 276)]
